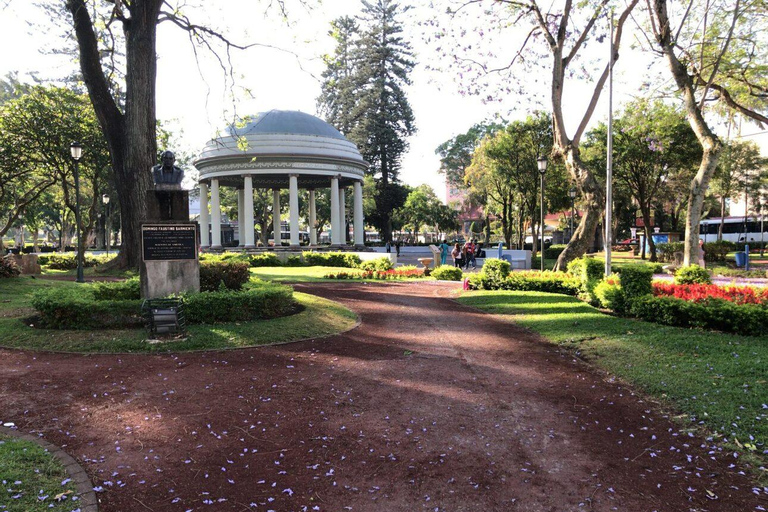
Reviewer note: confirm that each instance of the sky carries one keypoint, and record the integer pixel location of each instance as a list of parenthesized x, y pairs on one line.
[(195, 97)]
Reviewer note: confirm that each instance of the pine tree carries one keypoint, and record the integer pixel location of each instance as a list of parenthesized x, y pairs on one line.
[(363, 96), (337, 99)]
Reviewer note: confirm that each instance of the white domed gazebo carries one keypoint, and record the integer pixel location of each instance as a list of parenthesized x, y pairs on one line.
[(276, 150)]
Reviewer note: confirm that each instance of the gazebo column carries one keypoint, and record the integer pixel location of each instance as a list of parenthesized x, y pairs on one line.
[(293, 204), (240, 219), (276, 216), (205, 223), (359, 221), (312, 219), (215, 215), (343, 216), (335, 224), (248, 217)]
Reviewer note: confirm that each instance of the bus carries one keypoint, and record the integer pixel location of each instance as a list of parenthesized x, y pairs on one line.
[(734, 229)]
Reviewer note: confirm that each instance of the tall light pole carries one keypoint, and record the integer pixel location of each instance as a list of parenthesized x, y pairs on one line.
[(542, 163), (76, 150), (572, 194), (609, 163), (105, 200)]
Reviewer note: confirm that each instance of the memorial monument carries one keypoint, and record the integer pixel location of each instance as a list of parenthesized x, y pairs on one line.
[(170, 260)]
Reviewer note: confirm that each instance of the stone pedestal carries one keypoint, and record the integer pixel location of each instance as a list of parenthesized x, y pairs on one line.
[(170, 259)]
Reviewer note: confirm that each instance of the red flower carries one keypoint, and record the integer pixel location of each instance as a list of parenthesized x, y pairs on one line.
[(700, 292)]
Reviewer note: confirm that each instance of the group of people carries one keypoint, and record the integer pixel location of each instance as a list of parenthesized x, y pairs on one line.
[(463, 256)]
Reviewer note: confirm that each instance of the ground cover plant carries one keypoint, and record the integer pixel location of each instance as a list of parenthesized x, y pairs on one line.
[(32, 479), (716, 380)]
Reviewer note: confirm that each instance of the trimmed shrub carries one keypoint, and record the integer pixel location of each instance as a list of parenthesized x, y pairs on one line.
[(636, 281), (656, 268), (666, 251), (717, 251), (495, 268), (69, 261), (294, 261), (261, 302), (553, 251), (547, 281), (267, 259), (233, 275), (77, 308), (717, 314), (9, 268), (331, 259), (610, 295), (382, 263), (693, 274), (590, 273), (446, 273), (129, 289)]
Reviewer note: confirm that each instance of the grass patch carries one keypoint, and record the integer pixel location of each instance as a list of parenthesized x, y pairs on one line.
[(32, 479), (319, 317), (717, 380)]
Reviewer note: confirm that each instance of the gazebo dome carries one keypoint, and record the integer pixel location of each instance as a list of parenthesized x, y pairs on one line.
[(272, 145)]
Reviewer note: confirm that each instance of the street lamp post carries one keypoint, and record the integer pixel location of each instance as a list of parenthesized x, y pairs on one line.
[(105, 200), (542, 162), (76, 150), (572, 194)]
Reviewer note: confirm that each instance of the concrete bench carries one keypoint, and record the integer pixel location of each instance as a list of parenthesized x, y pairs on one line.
[(518, 259)]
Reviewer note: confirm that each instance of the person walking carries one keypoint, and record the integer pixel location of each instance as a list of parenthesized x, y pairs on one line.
[(444, 249), (398, 244), (470, 255), (456, 255), (388, 247)]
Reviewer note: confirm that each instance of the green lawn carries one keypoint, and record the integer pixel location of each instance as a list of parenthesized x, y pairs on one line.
[(320, 317), (32, 479), (718, 379)]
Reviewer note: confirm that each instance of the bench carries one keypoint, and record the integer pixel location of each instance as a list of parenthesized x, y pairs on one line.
[(518, 259)]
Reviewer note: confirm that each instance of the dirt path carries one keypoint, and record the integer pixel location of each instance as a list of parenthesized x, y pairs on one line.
[(427, 405)]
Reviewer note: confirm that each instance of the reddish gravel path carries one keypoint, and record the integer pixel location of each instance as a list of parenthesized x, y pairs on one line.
[(427, 405)]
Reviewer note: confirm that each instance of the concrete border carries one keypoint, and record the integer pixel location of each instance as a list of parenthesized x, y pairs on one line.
[(87, 501)]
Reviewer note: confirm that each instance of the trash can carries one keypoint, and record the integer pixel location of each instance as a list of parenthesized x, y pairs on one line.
[(741, 259)]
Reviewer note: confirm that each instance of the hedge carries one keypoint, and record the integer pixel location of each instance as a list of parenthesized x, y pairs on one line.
[(547, 281), (666, 250), (717, 314), (553, 251), (382, 263), (331, 259), (69, 261), (267, 259), (230, 274), (129, 289), (77, 308), (636, 281), (717, 251), (262, 302)]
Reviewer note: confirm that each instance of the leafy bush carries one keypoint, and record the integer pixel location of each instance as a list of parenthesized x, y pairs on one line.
[(590, 273), (717, 251), (636, 281), (656, 268), (666, 251), (294, 261), (553, 251), (9, 268), (446, 273), (259, 302), (610, 295), (331, 259), (129, 289), (693, 274), (382, 263), (717, 314), (77, 308), (547, 281), (69, 261), (382, 275), (267, 259), (496, 269), (233, 274)]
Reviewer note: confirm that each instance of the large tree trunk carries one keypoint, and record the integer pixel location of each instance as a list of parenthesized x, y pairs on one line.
[(131, 136), (710, 144), (592, 199)]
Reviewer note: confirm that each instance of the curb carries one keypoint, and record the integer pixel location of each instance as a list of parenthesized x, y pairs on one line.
[(87, 501)]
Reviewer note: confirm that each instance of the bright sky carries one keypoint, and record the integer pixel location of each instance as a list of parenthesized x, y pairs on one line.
[(194, 102)]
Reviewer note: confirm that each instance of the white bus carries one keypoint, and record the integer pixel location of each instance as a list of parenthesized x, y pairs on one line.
[(734, 229)]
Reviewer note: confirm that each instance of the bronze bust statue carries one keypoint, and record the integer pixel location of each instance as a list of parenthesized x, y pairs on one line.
[(167, 173)]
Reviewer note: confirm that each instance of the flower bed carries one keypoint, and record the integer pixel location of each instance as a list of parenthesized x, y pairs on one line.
[(703, 292)]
